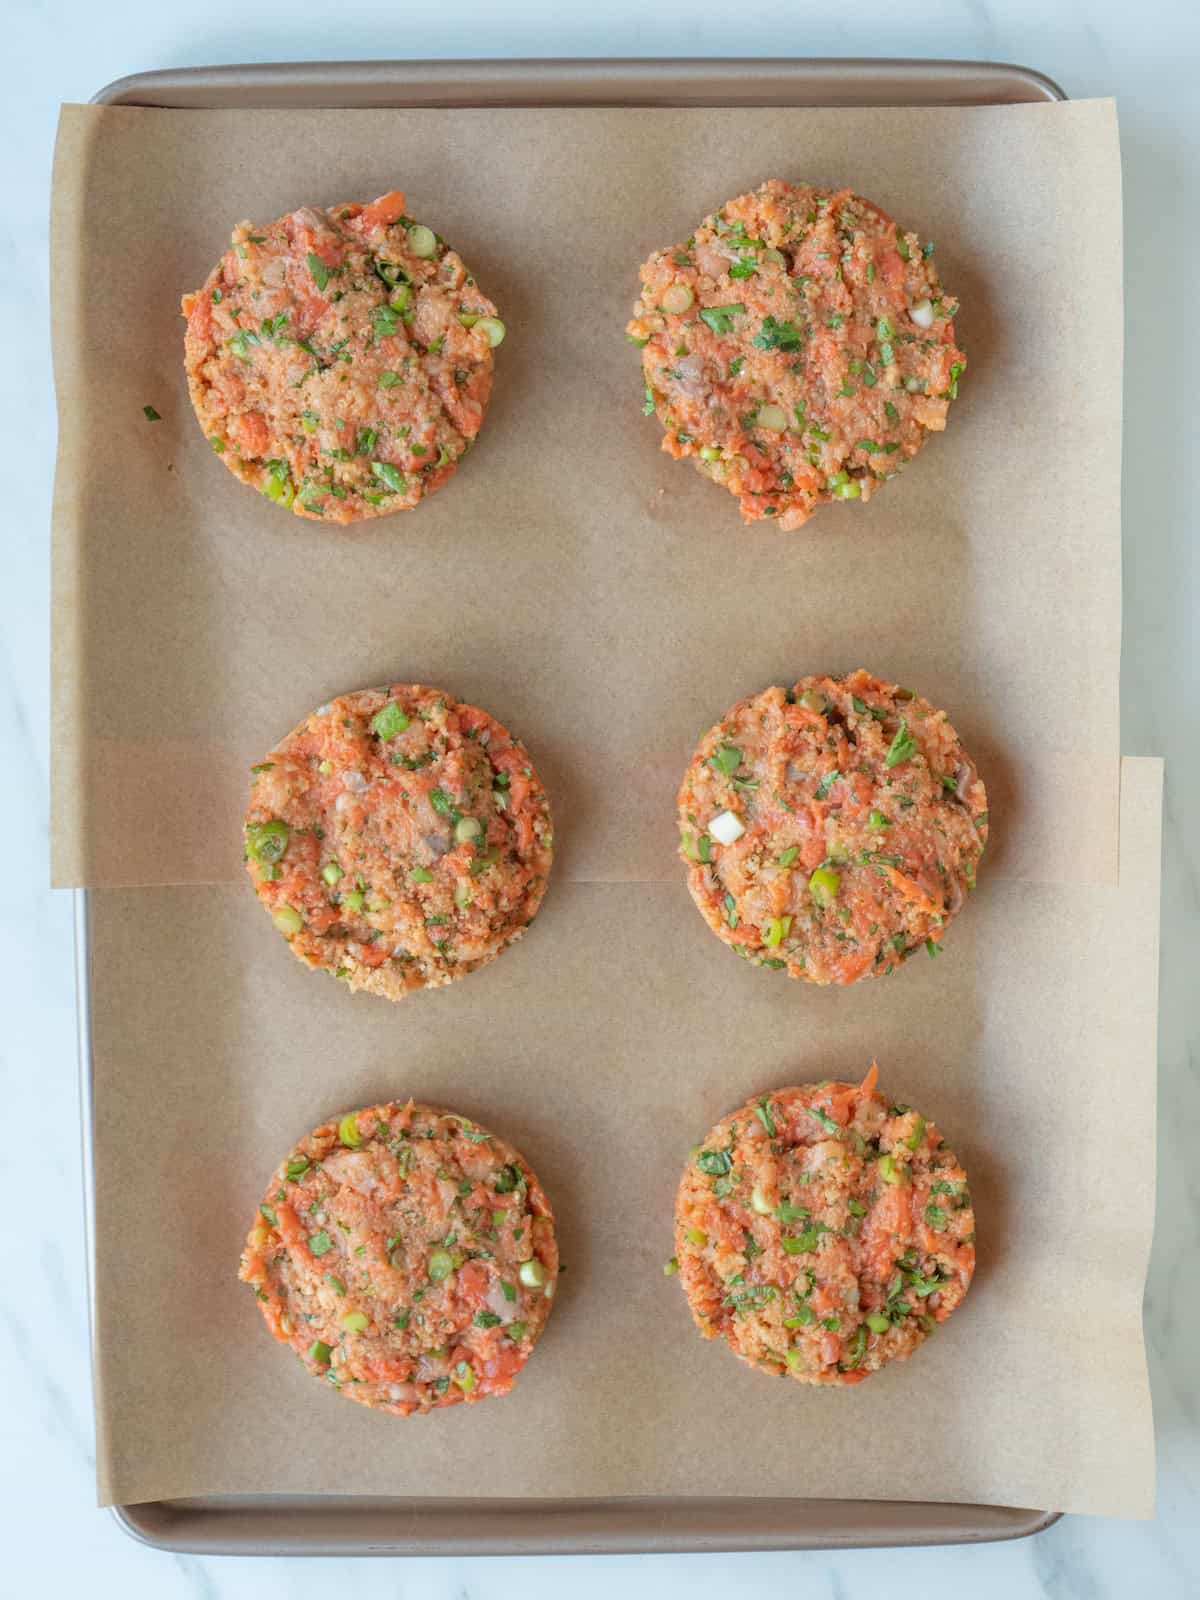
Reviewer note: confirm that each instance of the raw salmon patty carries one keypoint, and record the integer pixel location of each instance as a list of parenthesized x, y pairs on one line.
[(831, 829), (407, 1256), (823, 1231), (341, 360), (399, 838), (798, 348)]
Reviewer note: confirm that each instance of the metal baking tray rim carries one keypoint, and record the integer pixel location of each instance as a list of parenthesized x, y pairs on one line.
[(644, 81), (232, 1524)]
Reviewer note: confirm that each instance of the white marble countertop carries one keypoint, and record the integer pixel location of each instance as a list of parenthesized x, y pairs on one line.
[(55, 1542)]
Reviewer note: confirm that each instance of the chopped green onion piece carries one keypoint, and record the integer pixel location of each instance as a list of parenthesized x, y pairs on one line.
[(516, 1331), (355, 1322), (856, 1349), (878, 1323), (776, 930), (677, 299), (786, 857), (399, 298), (493, 329), (671, 1267), (889, 1171), (331, 872), (843, 487), (391, 477), (824, 884), (441, 1265), (801, 1244), (467, 828), (709, 452), (269, 1213), (267, 841), (532, 1274), (320, 1243), (288, 920), (716, 1163), (696, 1236), (464, 1376), (355, 900), (335, 1283), (857, 1209), (775, 335), (320, 273), (720, 318), (389, 721), (804, 1317), (876, 822), (281, 490), (421, 875), (903, 746), (150, 414), (320, 1352), (348, 1130), (422, 241), (486, 1319), (917, 1134)]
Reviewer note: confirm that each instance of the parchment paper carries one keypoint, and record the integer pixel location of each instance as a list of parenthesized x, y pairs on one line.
[(606, 604), (604, 1045), (601, 600)]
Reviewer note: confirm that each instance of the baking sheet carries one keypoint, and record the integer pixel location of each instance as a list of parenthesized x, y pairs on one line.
[(155, 932), (603, 1045), (601, 600)]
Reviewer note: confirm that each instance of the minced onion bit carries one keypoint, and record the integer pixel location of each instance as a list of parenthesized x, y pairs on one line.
[(922, 314), (726, 827)]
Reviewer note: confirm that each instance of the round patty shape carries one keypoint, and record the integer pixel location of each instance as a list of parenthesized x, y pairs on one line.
[(407, 1256), (823, 1231), (798, 348), (831, 829), (341, 361), (399, 838)]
